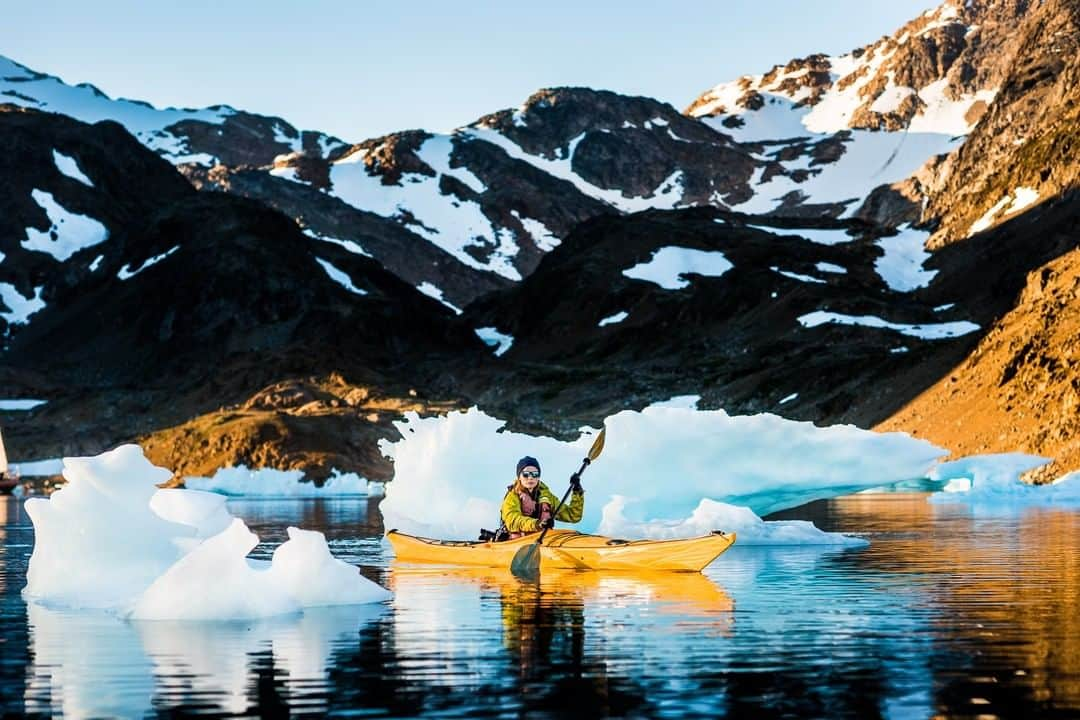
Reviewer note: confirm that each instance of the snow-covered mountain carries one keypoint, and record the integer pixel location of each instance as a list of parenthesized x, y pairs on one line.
[(841, 126), (462, 213), (134, 303), (615, 250), (496, 195), (218, 134), (1023, 152)]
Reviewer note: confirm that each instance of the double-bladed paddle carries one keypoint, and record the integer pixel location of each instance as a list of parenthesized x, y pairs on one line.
[(526, 562)]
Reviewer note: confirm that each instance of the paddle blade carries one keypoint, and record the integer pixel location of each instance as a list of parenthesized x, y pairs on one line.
[(526, 562), (597, 446)]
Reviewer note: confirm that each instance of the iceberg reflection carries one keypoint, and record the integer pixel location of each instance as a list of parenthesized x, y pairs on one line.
[(210, 667)]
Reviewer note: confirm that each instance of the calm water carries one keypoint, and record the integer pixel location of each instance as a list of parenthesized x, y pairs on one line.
[(944, 614)]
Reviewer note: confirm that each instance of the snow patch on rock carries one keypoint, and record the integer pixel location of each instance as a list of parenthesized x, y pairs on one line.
[(68, 232)]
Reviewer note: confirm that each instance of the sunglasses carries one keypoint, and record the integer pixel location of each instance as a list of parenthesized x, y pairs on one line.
[(530, 474)]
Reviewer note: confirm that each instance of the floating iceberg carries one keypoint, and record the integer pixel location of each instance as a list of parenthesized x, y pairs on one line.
[(711, 515), (658, 467), (111, 539), (992, 482), (267, 482)]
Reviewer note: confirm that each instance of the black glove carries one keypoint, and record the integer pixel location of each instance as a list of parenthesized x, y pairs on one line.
[(575, 484), (547, 523)]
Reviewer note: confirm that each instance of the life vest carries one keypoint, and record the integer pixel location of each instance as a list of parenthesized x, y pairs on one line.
[(530, 508)]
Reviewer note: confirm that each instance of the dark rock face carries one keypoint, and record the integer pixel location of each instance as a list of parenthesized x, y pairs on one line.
[(735, 339), (629, 144), (1018, 388), (244, 139), (197, 302), (409, 256), (615, 152), (128, 182), (259, 291), (208, 326), (391, 156)]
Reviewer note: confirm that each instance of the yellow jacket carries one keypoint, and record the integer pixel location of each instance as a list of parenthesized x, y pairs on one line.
[(516, 521)]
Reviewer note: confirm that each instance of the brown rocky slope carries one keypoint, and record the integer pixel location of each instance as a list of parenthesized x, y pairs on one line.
[(1029, 137), (1019, 391)]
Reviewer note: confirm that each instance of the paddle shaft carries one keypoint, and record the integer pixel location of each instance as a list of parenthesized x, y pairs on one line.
[(584, 464)]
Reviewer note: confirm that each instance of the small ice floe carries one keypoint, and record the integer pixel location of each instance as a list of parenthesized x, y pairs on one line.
[(710, 515), (111, 539), (239, 481), (993, 482), (39, 468)]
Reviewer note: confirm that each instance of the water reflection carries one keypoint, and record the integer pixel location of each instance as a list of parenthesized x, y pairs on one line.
[(573, 642), (946, 613), (1000, 593), (227, 667)]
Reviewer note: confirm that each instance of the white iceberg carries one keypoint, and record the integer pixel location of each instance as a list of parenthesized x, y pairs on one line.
[(657, 468), (240, 481), (993, 483), (711, 515), (111, 539)]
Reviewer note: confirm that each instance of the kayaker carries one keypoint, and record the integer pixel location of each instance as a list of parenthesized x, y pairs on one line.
[(528, 505)]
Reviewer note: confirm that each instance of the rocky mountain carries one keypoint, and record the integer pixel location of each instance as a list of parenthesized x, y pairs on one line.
[(830, 240), (880, 112), (464, 213), (1020, 387), (498, 194), (135, 303), (823, 320), (1023, 151)]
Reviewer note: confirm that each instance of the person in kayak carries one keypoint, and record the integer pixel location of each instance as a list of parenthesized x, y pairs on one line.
[(528, 504)]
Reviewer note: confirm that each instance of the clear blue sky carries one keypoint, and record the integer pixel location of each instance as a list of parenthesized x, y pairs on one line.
[(367, 67)]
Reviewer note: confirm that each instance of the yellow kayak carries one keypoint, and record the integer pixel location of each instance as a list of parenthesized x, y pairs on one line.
[(569, 550)]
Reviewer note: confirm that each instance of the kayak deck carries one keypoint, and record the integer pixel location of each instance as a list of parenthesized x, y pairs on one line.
[(567, 549)]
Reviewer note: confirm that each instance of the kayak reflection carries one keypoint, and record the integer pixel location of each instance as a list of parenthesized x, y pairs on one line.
[(544, 623)]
